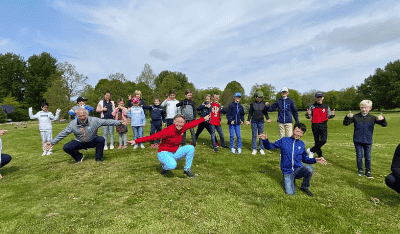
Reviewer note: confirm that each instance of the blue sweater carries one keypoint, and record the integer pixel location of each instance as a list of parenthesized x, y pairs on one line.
[(286, 108), (363, 127), (235, 113), (293, 152), (136, 114)]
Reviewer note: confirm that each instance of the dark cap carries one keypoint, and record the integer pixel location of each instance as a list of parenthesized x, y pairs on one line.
[(319, 94), (81, 99)]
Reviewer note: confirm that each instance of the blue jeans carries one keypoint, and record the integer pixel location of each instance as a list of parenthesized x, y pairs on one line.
[(235, 128), (213, 136), (363, 151), (137, 132), (5, 158), (289, 183), (257, 128), (108, 130), (169, 159)]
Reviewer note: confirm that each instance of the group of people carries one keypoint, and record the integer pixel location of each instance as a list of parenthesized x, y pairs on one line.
[(180, 116)]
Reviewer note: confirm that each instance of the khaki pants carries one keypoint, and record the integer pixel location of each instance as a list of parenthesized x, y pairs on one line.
[(285, 130)]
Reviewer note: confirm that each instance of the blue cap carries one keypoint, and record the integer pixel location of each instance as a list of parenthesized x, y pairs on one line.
[(238, 95)]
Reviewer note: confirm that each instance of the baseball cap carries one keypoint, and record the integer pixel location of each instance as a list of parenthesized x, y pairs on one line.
[(284, 89), (319, 94), (238, 95), (81, 99)]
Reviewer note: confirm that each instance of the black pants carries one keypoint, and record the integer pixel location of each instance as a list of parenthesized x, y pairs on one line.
[(320, 132), (393, 182), (72, 148), (5, 158), (156, 126), (191, 133), (201, 127)]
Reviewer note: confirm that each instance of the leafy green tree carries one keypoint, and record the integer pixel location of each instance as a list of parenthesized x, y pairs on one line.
[(13, 73), (383, 88), (348, 99), (20, 113), (147, 76), (229, 91), (57, 95), (40, 69), (331, 99), (73, 81), (307, 99)]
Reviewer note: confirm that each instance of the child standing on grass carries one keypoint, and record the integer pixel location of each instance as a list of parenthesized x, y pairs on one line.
[(120, 113), (215, 123), (188, 108), (4, 158), (80, 104), (172, 109), (205, 109), (235, 116), (138, 120), (45, 127), (142, 102), (362, 138), (157, 118), (256, 115)]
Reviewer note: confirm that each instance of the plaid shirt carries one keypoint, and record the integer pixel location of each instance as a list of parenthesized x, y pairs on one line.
[(84, 132)]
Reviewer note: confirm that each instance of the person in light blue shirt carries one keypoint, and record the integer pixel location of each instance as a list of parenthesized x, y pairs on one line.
[(138, 120)]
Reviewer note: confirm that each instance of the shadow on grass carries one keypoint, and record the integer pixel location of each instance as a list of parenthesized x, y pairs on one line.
[(377, 194)]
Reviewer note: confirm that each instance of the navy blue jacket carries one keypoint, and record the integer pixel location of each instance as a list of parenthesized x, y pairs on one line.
[(204, 111), (363, 127), (286, 109), (235, 113), (293, 152), (157, 112)]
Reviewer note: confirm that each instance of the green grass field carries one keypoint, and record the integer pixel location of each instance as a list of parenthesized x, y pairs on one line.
[(230, 194)]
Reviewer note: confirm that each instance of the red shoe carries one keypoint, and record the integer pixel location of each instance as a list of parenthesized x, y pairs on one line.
[(217, 144)]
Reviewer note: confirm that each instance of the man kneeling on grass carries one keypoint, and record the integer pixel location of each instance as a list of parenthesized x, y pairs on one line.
[(293, 152), (85, 131)]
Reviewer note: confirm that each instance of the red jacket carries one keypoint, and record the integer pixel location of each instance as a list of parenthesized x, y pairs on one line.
[(171, 137), (320, 113)]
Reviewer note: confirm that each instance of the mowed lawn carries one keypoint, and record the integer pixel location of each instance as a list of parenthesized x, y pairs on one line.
[(230, 194)]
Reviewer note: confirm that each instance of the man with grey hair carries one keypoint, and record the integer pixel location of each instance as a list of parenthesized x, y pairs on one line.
[(85, 131)]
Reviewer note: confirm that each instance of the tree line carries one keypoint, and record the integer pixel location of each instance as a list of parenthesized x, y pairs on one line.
[(41, 77)]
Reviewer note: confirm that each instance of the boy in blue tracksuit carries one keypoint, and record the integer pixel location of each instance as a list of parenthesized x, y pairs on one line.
[(157, 118), (293, 153), (138, 120), (80, 104), (286, 108), (235, 116)]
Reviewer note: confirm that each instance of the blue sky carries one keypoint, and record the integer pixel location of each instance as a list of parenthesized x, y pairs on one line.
[(303, 45)]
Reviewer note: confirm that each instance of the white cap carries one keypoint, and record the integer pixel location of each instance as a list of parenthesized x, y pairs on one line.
[(284, 89)]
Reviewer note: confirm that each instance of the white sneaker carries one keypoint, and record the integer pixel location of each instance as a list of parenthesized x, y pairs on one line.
[(135, 146), (105, 147), (142, 146), (49, 152), (111, 147), (310, 154), (44, 153), (254, 152), (233, 150), (239, 150), (262, 152)]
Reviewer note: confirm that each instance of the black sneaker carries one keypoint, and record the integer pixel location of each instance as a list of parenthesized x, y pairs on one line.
[(164, 172), (306, 191), (189, 173), (77, 162), (225, 146), (360, 172), (368, 174), (215, 150)]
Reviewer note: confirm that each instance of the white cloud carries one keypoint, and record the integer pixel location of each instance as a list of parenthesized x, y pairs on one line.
[(3, 42)]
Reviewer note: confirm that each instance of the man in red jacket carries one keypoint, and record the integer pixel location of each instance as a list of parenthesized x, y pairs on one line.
[(169, 151), (319, 113)]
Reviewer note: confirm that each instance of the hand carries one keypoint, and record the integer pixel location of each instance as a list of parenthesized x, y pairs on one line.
[(2, 132), (241, 122), (130, 97), (58, 109), (47, 146), (208, 105), (321, 160), (333, 112), (380, 117), (207, 117), (248, 122), (132, 142), (144, 125), (267, 103), (104, 108), (1, 176), (233, 122), (125, 121), (269, 120), (263, 136), (350, 115), (308, 112)]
